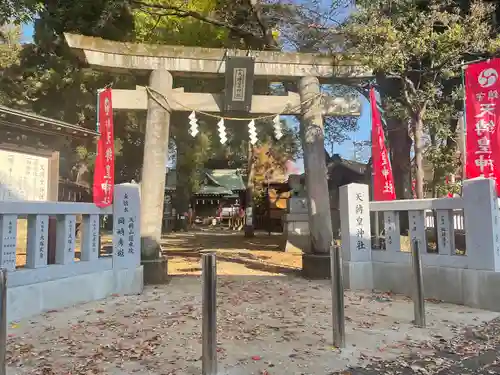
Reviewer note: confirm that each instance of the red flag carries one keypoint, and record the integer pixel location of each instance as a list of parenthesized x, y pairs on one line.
[(482, 111), (383, 181), (413, 188), (104, 173)]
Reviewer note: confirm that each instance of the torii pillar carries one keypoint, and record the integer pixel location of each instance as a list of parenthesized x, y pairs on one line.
[(155, 158), (318, 198), (163, 60)]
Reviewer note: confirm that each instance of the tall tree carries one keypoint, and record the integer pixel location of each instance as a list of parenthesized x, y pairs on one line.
[(417, 46)]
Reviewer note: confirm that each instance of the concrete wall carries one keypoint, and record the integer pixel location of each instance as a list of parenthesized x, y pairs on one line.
[(27, 300), (39, 286), (475, 288)]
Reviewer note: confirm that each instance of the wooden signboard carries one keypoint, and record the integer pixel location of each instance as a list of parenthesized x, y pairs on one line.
[(28, 175)]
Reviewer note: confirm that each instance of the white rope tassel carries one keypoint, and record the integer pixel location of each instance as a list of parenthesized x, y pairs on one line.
[(252, 132), (193, 130), (222, 131), (277, 127)]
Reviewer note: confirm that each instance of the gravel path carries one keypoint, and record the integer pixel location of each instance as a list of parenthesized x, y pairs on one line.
[(266, 325)]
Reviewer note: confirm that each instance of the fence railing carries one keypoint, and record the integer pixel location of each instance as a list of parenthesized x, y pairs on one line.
[(125, 238), (469, 277), (477, 211), (458, 219), (422, 214)]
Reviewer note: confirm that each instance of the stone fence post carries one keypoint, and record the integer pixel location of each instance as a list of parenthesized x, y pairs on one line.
[(355, 235), (482, 226), (126, 227)]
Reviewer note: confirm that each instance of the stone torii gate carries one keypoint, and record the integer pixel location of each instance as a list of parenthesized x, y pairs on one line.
[(163, 62)]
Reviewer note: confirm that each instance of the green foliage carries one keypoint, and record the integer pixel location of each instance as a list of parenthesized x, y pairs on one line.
[(10, 38), (418, 47), (109, 19), (18, 11), (10, 50), (45, 78), (152, 27)]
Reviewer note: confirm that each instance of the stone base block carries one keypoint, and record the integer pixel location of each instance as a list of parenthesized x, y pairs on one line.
[(155, 271), (316, 266), (297, 244), (41, 293)]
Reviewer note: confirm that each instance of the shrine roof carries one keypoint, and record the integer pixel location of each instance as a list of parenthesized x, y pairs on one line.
[(40, 124), (214, 182), (214, 190), (337, 161), (229, 178)]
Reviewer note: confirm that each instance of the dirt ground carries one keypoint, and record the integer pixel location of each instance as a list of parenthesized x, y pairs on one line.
[(266, 325), (236, 255), (270, 321)]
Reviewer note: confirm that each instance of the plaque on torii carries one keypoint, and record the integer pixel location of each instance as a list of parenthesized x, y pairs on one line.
[(238, 88), (308, 70)]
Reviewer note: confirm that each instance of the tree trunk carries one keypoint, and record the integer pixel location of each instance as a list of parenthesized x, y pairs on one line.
[(418, 130), (183, 185), (249, 227), (399, 147), (436, 175)]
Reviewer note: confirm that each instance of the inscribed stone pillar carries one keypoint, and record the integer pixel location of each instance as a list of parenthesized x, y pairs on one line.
[(312, 135), (355, 225), (154, 169), (482, 222), (126, 251), (356, 236)]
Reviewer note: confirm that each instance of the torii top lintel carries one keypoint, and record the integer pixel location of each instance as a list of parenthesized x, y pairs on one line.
[(112, 55)]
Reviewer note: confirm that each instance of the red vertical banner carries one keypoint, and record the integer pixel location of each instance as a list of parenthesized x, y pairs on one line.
[(104, 172), (383, 181), (482, 114)]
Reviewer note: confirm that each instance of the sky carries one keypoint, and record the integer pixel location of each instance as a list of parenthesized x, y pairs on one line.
[(345, 149), (27, 35)]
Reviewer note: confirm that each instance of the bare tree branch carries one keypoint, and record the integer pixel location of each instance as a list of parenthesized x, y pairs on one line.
[(264, 27)]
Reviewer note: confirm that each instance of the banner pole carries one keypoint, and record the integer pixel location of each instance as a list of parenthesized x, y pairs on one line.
[(463, 129), (3, 321), (97, 127)]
